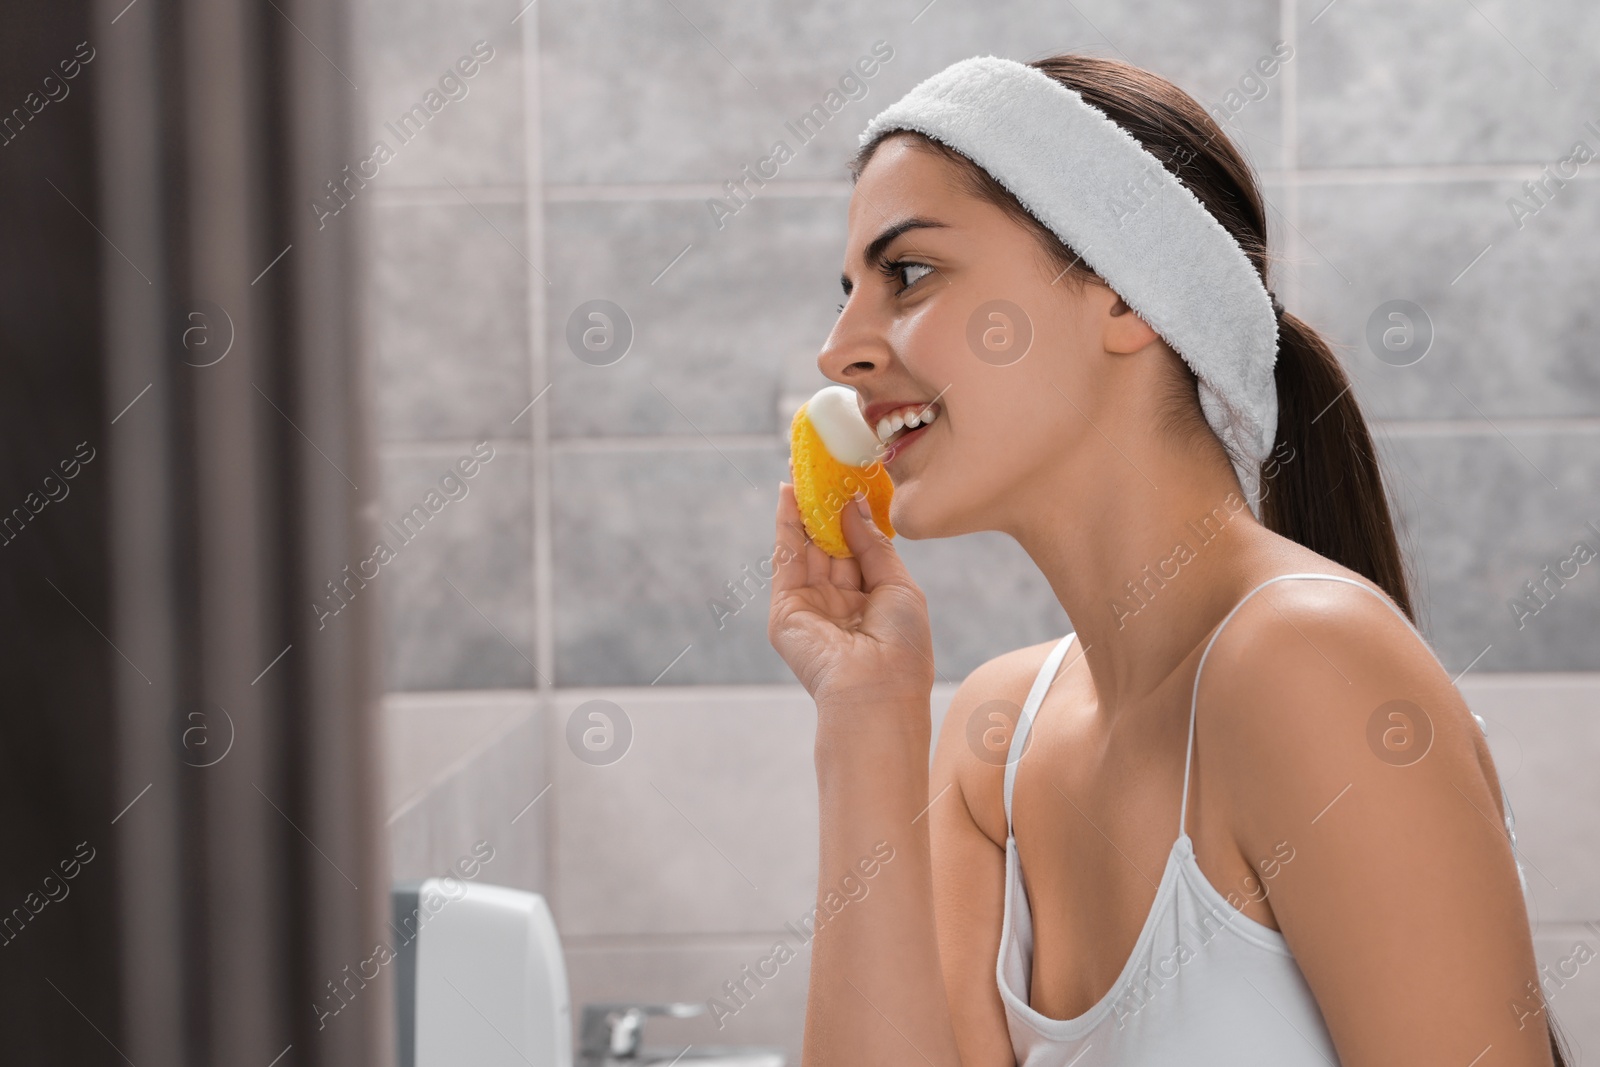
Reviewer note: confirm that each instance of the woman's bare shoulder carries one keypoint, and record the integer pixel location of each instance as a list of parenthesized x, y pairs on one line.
[(1314, 685), (975, 737)]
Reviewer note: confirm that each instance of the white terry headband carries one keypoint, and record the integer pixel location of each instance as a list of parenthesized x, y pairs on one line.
[(1140, 229)]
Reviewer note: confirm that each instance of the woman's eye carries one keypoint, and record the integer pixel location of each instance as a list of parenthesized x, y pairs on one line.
[(915, 266), (894, 271)]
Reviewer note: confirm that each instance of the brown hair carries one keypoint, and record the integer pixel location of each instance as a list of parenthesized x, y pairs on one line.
[(1322, 487)]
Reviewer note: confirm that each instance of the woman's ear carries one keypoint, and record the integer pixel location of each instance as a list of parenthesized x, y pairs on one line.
[(1125, 332)]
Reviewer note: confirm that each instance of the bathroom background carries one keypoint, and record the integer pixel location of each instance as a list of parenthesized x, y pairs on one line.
[(629, 489)]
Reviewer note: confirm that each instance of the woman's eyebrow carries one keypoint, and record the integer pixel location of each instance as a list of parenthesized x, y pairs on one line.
[(874, 251)]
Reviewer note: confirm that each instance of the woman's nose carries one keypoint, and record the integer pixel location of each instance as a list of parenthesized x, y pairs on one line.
[(851, 352)]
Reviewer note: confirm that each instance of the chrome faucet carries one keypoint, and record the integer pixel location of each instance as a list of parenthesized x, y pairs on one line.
[(613, 1031)]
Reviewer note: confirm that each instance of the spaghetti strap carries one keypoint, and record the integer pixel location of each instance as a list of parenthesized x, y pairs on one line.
[(1188, 755), (1030, 708)]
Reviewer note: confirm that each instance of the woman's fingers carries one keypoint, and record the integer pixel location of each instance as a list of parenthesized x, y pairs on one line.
[(819, 565), (807, 563), (876, 556), (797, 560), (846, 573)]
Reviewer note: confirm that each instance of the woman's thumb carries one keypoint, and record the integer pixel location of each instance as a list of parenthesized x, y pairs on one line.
[(877, 557)]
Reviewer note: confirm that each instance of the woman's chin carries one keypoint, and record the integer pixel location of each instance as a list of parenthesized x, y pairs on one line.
[(900, 517), (908, 517), (920, 515)]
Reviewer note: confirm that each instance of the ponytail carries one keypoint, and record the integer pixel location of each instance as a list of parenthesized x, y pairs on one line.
[(1321, 486)]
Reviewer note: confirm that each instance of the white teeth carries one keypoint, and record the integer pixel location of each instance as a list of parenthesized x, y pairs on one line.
[(906, 418)]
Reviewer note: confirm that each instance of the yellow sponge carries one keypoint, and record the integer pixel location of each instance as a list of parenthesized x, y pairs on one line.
[(824, 480)]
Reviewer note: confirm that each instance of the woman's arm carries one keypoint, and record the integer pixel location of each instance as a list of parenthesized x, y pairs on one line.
[(966, 820), (855, 632), (877, 989), (1339, 737)]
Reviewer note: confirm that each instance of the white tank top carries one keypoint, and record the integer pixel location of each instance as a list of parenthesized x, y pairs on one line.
[(1205, 984)]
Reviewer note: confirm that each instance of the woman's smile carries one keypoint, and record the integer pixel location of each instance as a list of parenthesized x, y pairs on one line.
[(899, 444)]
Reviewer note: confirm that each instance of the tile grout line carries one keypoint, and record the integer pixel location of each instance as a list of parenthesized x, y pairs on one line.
[(623, 443), (428, 195), (822, 189), (1417, 174), (539, 356), (718, 939), (791, 188), (540, 466), (1289, 120), (693, 940), (443, 701), (438, 446), (443, 776), (1468, 427)]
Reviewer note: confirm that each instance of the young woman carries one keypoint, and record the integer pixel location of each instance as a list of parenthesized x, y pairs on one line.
[(1298, 855)]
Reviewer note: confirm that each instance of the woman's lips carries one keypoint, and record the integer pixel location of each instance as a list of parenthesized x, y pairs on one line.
[(899, 443)]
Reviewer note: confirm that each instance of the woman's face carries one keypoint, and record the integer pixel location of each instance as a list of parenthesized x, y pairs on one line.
[(969, 314)]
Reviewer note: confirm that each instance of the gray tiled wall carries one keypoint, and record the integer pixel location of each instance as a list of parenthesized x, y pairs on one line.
[(623, 497), (450, 321), (1387, 168)]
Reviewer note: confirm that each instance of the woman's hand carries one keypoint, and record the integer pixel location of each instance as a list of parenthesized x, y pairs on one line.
[(854, 631)]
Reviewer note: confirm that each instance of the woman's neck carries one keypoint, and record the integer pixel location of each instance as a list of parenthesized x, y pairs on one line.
[(1147, 564)]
